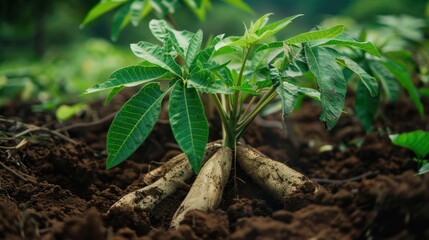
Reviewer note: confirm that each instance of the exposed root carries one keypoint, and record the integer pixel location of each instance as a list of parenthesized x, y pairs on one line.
[(158, 172), (280, 180), (206, 192), (147, 197)]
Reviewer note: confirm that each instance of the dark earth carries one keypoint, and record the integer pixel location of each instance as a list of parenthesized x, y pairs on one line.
[(56, 187)]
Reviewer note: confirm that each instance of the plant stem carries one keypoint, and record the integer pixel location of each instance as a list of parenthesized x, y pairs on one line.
[(234, 114), (244, 123), (223, 116)]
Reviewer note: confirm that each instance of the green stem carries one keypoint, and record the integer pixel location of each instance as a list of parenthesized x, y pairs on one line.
[(243, 124), (235, 104), (226, 130), (237, 96)]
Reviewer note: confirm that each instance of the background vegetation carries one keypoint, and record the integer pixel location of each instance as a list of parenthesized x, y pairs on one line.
[(45, 57)]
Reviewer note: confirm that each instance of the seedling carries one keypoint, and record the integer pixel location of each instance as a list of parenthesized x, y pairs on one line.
[(418, 142), (241, 74)]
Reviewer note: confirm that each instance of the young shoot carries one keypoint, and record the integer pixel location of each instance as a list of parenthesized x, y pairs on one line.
[(418, 142)]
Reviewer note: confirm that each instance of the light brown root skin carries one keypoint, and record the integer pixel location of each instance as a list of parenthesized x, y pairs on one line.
[(206, 192), (160, 171), (148, 197), (280, 180)]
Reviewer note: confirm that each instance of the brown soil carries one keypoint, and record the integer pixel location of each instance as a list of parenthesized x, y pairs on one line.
[(371, 190)]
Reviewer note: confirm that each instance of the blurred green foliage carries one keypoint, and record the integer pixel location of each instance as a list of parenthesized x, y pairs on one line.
[(60, 76), (45, 57)]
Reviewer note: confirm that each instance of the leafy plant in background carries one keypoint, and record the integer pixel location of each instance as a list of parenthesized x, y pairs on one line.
[(418, 142), (242, 74), (135, 11), (392, 35)]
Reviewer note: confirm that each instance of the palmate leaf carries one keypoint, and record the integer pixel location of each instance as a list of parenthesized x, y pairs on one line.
[(388, 82), (417, 141), (365, 106), (154, 54), (188, 123), (129, 76), (100, 9), (369, 81), (133, 123), (316, 35), (331, 83)]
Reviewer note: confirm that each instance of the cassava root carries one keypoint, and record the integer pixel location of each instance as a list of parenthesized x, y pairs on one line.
[(148, 197), (279, 179), (206, 192), (160, 171)]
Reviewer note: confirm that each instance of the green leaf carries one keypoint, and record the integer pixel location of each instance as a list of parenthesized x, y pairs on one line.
[(189, 123), (204, 80), (365, 106), (139, 9), (194, 47), (157, 28), (331, 82), (270, 46), (164, 7), (120, 20), (273, 28), (153, 54), (369, 81), (417, 141), (205, 54), (343, 41), (401, 73), (240, 4), (288, 92), (388, 82), (100, 9), (310, 92), (424, 169), (424, 92), (129, 76), (316, 35), (113, 93), (65, 112), (198, 7), (133, 123)]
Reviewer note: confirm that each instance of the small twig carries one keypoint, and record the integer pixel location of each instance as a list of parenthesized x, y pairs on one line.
[(87, 124), (21, 175), (356, 178), (33, 128), (53, 132)]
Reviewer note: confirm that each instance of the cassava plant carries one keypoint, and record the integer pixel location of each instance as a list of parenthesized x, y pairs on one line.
[(399, 39), (241, 74)]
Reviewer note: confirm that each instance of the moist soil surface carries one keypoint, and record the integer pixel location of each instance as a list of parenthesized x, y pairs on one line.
[(56, 186)]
